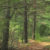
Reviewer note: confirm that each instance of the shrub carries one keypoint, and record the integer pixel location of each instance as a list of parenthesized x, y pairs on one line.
[(43, 30)]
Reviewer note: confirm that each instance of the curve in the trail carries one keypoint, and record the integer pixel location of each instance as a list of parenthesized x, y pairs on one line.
[(35, 45)]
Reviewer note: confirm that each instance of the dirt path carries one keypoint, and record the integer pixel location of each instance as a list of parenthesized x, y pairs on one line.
[(35, 45)]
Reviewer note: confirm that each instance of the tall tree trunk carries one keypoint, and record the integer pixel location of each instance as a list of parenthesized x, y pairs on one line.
[(5, 36), (25, 23), (34, 6), (6, 30)]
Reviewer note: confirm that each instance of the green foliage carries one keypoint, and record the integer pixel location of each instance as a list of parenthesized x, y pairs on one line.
[(17, 21), (43, 30)]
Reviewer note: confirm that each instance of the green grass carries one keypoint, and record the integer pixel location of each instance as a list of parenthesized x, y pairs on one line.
[(43, 39)]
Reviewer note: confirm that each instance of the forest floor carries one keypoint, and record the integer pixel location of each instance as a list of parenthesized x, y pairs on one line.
[(33, 45)]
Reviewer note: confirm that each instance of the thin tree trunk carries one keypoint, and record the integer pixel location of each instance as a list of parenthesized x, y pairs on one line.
[(25, 24), (34, 6)]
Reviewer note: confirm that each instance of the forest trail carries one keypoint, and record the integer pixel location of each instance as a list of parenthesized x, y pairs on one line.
[(35, 45)]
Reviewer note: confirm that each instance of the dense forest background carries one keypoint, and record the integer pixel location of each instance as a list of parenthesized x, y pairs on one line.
[(21, 20)]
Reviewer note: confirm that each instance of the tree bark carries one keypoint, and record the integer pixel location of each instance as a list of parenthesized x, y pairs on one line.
[(34, 13), (25, 23), (6, 29)]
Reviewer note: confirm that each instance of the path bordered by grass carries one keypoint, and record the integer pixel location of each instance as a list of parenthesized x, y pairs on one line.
[(34, 45)]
